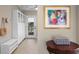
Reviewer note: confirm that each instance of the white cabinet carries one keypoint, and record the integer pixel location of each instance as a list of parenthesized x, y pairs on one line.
[(21, 32), (18, 26)]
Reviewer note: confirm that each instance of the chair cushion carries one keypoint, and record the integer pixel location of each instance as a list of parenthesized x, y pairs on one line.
[(61, 41)]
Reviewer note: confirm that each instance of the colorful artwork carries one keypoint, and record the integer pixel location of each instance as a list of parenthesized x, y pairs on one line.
[(56, 17)]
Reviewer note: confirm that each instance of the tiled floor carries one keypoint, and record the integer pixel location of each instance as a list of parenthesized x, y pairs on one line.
[(28, 46)]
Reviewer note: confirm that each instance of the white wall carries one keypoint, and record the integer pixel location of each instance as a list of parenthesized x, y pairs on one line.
[(77, 30), (30, 13), (5, 11)]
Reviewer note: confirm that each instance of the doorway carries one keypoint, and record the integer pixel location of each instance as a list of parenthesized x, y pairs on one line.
[(31, 28)]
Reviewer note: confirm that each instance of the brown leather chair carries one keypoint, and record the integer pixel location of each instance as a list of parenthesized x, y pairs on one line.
[(52, 47)]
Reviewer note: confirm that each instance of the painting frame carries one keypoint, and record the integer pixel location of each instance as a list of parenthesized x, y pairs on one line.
[(67, 10)]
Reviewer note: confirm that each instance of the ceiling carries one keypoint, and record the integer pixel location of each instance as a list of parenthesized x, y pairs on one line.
[(28, 7)]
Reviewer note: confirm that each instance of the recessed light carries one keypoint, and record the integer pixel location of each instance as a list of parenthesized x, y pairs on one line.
[(36, 8)]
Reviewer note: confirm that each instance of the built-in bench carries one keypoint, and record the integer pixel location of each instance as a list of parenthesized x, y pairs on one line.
[(9, 46)]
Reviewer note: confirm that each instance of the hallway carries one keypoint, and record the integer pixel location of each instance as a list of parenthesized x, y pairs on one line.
[(28, 46)]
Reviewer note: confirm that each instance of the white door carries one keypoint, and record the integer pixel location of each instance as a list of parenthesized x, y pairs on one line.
[(31, 27)]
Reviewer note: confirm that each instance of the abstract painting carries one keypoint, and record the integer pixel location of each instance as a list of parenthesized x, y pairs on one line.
[(57, 17)]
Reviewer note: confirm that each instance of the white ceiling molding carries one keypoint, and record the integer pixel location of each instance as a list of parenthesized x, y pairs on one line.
[(28, 7)]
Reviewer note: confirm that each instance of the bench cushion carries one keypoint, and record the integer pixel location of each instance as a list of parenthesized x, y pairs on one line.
[(61, 41)]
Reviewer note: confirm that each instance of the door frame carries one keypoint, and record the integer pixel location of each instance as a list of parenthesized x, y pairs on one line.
[(35, 27)]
